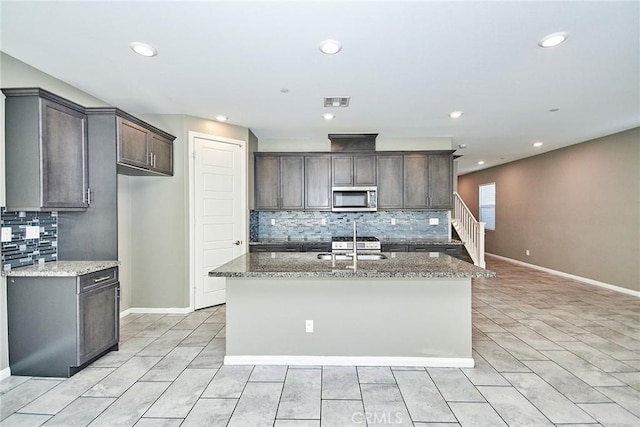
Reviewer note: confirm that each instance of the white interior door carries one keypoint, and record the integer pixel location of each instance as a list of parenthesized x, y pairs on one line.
[(219, 204)]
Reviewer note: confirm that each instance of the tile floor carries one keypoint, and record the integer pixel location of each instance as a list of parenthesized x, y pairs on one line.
[(548, 351)]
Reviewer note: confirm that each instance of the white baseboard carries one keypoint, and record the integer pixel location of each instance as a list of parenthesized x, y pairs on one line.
[(153, 310), (429, 362), (5, 373), (570, 276)]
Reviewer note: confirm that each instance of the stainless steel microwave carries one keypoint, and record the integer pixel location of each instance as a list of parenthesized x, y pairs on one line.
[(354, 199)]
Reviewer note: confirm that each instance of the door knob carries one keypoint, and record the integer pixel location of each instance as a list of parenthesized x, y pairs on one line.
[(237, 242)]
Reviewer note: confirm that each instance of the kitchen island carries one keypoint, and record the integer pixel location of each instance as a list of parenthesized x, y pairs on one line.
[(410, 309)]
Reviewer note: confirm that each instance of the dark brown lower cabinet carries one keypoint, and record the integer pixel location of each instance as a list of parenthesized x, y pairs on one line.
[(59, 325)]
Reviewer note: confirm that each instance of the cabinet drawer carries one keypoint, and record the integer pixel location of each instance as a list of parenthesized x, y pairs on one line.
[(89, 281), (452, 250), (319, 247), (274, 248), (393, 248)]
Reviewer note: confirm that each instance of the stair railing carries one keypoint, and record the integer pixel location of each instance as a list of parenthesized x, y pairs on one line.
[(470, 230)]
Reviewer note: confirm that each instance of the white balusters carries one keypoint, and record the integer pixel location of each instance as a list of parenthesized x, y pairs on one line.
[(469, 229)]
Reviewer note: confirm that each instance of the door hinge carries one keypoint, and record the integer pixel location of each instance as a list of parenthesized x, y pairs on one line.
[(88, 195)]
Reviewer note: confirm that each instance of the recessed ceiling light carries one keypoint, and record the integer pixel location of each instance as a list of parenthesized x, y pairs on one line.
[(481, 162), (221, 118), (537, 144), (330, 47), (328, 116), (553, 39), (143, 49), (456, 114)]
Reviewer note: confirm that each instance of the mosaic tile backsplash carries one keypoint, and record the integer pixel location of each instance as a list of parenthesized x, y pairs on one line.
[(309, 225), (21, 251)]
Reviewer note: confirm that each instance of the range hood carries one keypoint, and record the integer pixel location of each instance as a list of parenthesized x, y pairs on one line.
[(353, 142)]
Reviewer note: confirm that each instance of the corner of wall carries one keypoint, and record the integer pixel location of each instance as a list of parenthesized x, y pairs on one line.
[(124, 241), (4, 336)]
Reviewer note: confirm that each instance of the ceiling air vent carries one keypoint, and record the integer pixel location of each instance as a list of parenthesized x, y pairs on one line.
[(336, 101)]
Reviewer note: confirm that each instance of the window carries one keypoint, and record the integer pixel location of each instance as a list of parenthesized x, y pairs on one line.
[(488, 205)]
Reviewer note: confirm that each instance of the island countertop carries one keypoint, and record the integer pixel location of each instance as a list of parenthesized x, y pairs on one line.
[(305, 264)]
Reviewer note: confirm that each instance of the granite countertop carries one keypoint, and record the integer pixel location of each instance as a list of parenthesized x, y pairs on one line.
[(289, 242), (305, 264), (61, 269), (406, 241), (419, 241)]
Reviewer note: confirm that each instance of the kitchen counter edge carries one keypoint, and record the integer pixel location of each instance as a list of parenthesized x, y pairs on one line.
[(403, 265), (61, 269), (407, 241)]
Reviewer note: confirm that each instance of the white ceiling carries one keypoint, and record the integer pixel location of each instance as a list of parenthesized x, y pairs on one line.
[(406, 65)]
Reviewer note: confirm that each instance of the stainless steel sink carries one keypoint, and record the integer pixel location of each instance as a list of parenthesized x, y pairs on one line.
[(343, 257)]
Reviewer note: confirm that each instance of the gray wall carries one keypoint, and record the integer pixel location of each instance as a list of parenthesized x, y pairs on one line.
[(576, 209), (158, 232)]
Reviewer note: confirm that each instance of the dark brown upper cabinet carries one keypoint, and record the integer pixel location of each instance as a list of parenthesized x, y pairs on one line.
[(142, 148), (292, 182), (356, 171), (45, 152), (405, 180), (279, 182), (390, 182), (416, 181), (428, 181), (440, 178), (317, 173)]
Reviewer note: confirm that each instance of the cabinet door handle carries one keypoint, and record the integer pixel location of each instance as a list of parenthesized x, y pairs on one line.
[(237, 242), (101, 279)]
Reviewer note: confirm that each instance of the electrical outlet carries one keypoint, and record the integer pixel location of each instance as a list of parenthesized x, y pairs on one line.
[(324, 221), (308, 326), (6, 234), (527, 253), (393, 221), (273, 221), (434, 221), (32, 232)]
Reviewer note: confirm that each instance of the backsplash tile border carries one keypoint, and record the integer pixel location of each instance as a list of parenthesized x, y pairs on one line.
[(20, 251)]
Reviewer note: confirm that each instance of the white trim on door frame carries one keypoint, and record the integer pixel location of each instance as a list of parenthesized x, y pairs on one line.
[(191, 171)]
